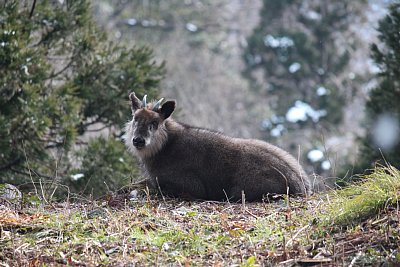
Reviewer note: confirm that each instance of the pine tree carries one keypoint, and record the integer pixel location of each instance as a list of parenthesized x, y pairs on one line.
[(384, 101), (60, 78), (302, 51)]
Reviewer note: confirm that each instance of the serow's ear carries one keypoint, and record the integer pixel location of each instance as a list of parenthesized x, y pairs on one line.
[(135, 102), (167, 108)]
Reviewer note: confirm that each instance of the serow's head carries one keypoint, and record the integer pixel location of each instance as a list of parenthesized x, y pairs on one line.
[(147, 131)]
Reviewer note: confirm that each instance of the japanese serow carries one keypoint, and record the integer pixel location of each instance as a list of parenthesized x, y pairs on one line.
[(185, 161)]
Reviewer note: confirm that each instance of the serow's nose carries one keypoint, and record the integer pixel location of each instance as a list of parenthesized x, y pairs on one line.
[(138, 142)]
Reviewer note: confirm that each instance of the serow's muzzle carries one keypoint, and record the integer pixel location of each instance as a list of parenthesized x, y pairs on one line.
[(138, 142)]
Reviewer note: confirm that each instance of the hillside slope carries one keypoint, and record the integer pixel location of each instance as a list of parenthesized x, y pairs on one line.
[(151, 231)]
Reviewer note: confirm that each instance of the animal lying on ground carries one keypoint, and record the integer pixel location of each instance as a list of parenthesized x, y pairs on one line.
[(186, 161)]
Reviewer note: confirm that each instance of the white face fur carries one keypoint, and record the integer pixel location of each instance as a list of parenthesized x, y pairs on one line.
[(146, 133), (154, 136), (128, 136)]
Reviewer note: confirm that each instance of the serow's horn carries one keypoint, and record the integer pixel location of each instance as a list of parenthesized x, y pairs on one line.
[(144, 101), (157, 105)]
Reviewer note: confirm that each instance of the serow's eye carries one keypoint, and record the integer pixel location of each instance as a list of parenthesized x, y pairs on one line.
[(154, 124)]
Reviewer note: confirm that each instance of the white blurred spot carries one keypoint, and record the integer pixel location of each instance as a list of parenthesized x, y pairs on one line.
[(266, 124), (294, 67), (277, 119), (373, 67), (296, 114), (326, 165), (274, 42), (277, 131), (166, 246), (131, 22), (25, 69), (117, 34), (322, 91), (133, 195), (320, 71), (385, 132), (191, 27), (315, 155), (311, 14), (76, 177), (301, 111), (257, 59)]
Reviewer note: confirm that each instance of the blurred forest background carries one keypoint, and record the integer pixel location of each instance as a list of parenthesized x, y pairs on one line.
[(319, 79)]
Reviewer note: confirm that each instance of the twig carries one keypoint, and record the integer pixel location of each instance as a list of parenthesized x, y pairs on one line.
[(55, 74), (226, 195), (29, 170), (255, 216), (159, 189), (55, 175), (243, 201), (29, 173), (301, 173), (296, 234), (43, 193), (32, 8)]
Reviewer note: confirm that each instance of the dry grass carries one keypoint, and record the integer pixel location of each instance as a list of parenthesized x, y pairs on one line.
[(157, 232)]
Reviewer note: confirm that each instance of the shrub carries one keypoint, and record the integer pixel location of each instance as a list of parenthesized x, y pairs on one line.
[(60, 78)]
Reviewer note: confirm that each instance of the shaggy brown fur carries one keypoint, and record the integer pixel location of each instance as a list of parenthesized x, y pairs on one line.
[(194, 162)]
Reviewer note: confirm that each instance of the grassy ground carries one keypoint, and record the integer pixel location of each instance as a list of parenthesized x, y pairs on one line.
[(320, 230)]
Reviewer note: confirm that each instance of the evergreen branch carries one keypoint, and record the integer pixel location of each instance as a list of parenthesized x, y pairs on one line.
[(55, 74), (29, 175), (10, 164)]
